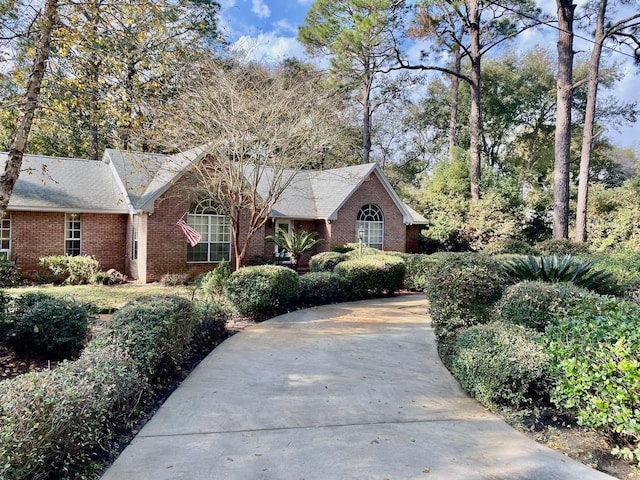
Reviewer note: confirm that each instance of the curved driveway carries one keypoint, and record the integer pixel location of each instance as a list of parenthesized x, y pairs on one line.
[(348, 391)]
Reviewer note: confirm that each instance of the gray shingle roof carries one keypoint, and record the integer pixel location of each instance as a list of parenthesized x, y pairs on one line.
[(129, 180), (66, 184)]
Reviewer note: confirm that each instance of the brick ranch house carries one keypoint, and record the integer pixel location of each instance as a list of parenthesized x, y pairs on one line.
[(123, 211)]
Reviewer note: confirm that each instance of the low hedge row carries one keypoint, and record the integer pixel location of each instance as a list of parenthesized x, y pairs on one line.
[(62, 423), (372, 275), (260, 291), (321, 288), (537, 342)]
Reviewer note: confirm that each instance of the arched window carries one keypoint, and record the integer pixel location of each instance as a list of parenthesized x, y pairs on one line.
[(208, 218), (370, 222)]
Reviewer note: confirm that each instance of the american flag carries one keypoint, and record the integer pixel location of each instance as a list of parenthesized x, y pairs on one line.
[(193, 237)]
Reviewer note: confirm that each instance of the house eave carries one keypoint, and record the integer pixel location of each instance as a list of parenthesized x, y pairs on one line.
[(37, 208)]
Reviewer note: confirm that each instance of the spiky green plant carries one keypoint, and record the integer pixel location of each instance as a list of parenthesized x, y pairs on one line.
[(565, 268), (295, 243)]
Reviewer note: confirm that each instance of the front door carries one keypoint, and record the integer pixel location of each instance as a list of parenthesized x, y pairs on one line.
[(286, 226)]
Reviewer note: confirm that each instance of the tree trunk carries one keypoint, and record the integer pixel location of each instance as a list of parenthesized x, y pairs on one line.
[(589, 120), (94, 146), (30, 104), (563, 120), (366, 121), (475, 116), (455, 91)]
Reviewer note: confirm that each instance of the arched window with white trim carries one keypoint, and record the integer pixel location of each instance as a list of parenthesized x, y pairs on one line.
[(208, 218), (370, 225)]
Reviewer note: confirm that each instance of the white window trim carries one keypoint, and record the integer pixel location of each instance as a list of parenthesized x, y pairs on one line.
[(67, 219), (190, 215), (367, 227), (7, 216), (134, 237)]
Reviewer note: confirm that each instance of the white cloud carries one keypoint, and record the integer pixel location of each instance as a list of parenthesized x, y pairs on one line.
[(305, 2), (260, 8), (268, 47), (284, 26)]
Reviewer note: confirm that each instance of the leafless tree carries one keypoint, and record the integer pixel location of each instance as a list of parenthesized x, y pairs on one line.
[(257, 129)]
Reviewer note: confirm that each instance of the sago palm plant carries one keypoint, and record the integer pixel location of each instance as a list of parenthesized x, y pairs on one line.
[(295, 243), (565, 268)]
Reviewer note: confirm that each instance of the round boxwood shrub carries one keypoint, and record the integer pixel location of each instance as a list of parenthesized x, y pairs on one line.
[(536, 304), (326, 261), (557, 246), (49, 326), (156, 331), (501, 364), (262, 290), (461, 294), (509, 246), (321, 288), (372, 274)]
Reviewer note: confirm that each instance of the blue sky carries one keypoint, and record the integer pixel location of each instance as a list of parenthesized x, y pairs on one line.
[(267, 30)]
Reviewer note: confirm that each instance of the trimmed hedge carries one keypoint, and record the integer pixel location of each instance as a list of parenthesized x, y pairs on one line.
[(372, 275), (502, 364), (461, 293), (262, 290), (535, 304), (556, 246), (326, 261), (44, 325), (62, 423), (509, 246), (419, 268), (321, 288), (155, 331)]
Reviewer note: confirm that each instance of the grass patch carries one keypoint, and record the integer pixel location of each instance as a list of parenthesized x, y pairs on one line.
[(105, 298)]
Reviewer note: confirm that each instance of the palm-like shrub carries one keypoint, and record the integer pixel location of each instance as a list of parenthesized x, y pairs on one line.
[(565, 268), (295, 243)]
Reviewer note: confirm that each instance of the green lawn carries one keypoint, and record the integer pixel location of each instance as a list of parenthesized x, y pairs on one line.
[(104, 297)]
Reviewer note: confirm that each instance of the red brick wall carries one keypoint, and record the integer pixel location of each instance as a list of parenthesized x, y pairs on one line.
[(39, 234), (166, 245), (104, 237), (343, 229)]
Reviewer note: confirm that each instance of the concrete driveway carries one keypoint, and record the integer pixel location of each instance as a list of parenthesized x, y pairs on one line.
[(349, 391)]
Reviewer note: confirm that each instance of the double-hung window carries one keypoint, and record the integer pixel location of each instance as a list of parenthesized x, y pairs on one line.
[(209, 220), (73, 234), (5, 235)]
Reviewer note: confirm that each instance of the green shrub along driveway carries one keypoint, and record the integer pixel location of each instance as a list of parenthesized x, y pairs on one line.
[(354, 390)]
